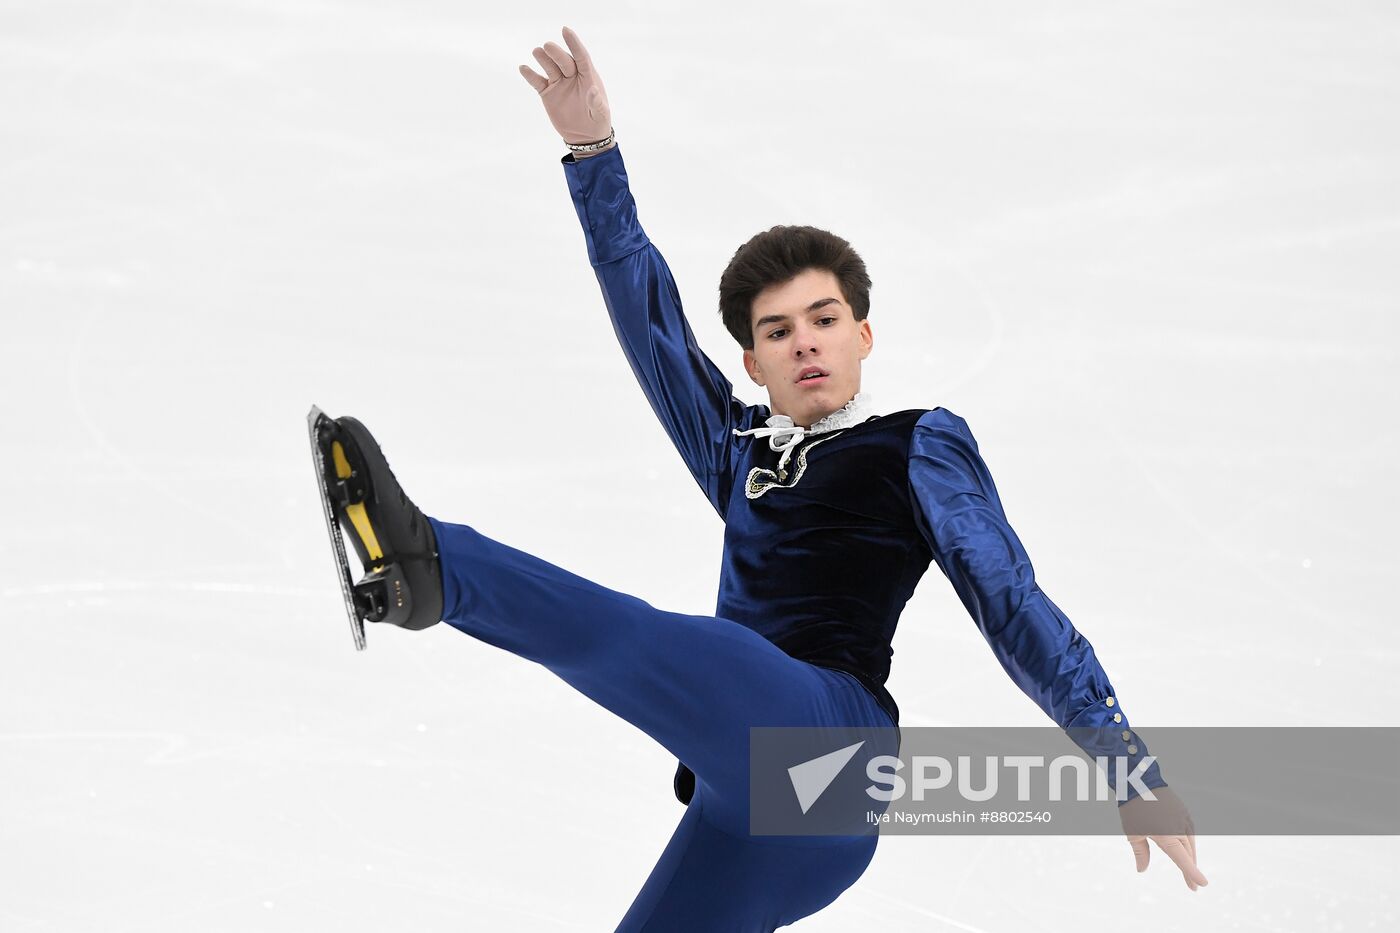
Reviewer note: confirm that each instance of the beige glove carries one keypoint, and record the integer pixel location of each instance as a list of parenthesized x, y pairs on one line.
[(573, 93), (1166, 822)]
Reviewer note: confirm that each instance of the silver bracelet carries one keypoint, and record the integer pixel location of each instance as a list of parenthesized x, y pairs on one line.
[(592, 147)]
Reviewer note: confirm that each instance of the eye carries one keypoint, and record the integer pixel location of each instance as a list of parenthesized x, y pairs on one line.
[(827, 318), (776, 333)]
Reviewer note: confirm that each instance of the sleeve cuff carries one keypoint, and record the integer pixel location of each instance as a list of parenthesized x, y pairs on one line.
[(1102, 731)]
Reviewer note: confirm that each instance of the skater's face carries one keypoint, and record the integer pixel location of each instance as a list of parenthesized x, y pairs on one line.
[(800, 324)]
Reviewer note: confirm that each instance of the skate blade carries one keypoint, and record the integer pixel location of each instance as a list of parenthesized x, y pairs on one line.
[(342, 564)]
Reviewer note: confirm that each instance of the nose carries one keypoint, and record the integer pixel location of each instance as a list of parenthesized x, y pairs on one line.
[(803, 343)]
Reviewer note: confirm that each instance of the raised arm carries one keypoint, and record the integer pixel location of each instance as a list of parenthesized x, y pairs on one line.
[(690, 396)]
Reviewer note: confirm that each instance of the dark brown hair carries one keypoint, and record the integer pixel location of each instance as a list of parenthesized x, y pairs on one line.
[(778, 255)]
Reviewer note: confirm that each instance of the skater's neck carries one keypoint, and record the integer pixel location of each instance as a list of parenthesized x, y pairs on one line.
[(853, 412)]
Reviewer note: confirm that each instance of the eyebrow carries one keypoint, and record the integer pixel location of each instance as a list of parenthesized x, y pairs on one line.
[(775, 318)]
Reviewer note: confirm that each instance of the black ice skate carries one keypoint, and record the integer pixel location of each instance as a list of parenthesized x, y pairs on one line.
[(402, 584)]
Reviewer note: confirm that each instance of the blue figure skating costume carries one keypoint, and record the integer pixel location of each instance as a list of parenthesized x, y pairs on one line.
[(824, 543)]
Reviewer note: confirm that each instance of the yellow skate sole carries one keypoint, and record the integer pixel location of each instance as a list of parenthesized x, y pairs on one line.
[(359, 519)]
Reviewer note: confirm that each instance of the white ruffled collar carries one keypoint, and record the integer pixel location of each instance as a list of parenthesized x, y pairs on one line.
[(852, 413), (784, 436)]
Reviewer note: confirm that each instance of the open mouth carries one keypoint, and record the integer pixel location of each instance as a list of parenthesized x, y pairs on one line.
[(813, 377)]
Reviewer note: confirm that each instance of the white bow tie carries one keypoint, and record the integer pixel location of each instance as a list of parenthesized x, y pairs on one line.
[(783, 436)]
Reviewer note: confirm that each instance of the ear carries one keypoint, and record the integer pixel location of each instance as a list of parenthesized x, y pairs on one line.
[(751, 367), (867, 339)]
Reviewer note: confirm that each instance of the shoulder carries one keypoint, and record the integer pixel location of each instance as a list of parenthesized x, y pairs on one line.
[(890, 431), (936, 421), (896, 418), (939, 430), (917, 426)]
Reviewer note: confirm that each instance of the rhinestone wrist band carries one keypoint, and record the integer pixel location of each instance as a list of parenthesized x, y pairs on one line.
[(591, 147)]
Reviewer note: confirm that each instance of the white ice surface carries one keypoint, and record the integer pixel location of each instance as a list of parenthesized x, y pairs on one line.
[(1147, 250)]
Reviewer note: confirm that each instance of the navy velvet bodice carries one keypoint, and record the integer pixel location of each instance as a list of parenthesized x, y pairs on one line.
[(823, 563)]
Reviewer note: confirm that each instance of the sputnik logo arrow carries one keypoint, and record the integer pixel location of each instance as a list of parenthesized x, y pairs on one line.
[(811, 778)]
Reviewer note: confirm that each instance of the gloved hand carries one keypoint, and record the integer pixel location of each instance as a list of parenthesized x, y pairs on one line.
[(1166, 822), (573, 93)]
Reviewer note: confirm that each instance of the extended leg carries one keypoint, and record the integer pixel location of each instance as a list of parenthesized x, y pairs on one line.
[(694, 683)]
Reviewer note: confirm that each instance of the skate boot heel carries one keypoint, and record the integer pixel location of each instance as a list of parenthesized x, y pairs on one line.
[(384, 596)]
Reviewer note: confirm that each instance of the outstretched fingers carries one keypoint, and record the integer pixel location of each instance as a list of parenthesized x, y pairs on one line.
[(581, 59), (563, 59), (1141, 854), (537, 82), (557, 63), (1177, 849), (550, 66)]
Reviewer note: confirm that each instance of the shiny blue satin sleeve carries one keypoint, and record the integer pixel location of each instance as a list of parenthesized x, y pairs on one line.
[(691, 397), (960, 515)]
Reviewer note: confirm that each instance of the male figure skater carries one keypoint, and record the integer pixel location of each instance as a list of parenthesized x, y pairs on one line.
[(832, 514)]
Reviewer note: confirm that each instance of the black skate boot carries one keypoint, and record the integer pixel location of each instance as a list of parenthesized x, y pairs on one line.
[(402, 584)]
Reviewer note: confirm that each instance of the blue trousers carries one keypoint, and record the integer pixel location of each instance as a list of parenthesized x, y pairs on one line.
[(695, 684)]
